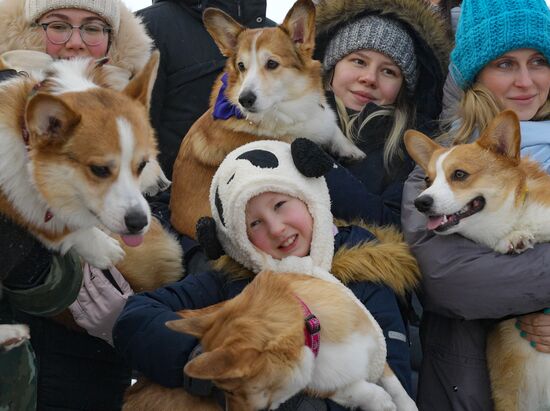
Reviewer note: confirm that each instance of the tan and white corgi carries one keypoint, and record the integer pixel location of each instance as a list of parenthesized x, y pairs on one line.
[(486, 192), (273, 91), (75, 157), (286, 332)]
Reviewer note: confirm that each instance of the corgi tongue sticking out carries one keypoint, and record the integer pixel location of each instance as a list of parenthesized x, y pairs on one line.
[(443, 222), (132, 240)]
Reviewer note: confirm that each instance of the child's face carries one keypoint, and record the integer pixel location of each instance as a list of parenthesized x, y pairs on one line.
[(279, 225), (366, 76)]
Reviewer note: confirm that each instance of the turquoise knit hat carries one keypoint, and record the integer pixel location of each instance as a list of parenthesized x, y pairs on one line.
[(489, 28)]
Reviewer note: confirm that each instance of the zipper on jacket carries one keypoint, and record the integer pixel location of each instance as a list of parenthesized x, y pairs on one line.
[(239, 8)]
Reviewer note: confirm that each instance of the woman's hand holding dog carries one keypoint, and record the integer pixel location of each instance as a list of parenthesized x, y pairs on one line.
[(535, 328), (100, 302)]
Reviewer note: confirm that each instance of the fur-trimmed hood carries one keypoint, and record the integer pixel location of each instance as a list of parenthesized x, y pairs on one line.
[(130, 48), (387, 261), (428, 30)]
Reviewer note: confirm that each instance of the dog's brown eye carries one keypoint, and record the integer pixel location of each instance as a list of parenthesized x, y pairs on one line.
[(240, 66), (141, 167), (100, 171), (460, 175), (271, 64)]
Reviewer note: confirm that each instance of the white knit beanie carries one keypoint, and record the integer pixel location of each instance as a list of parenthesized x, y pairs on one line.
[(260, 167), (106, 9)]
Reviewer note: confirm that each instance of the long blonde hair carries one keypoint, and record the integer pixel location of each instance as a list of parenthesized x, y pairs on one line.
[(477, 109), (403, 112)]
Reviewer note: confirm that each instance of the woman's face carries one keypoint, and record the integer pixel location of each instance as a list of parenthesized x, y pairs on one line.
[(366, 76), (75, 46), (519, 80)]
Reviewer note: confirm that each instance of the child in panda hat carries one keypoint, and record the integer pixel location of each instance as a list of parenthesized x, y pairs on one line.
[(259, 184)]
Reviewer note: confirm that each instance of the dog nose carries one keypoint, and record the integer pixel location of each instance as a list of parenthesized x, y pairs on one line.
[(135, 221), (424, 203), (247, 99)]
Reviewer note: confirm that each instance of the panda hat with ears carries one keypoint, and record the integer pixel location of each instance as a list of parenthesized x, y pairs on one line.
[(295, 169)]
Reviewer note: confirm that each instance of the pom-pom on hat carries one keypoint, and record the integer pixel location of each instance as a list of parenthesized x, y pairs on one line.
[(381, 34), (259, 167), (489, 28), (106, 9)]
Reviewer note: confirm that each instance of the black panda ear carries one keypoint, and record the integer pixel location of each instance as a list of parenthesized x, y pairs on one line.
[(310, 159), (208, 239)]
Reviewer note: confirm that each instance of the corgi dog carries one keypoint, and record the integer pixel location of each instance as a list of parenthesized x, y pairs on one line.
[(486, 192), (75, 157), (288, 332), (271, 89)]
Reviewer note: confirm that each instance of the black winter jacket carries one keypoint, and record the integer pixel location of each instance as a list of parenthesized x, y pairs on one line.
[(366, 188), (190, 62)]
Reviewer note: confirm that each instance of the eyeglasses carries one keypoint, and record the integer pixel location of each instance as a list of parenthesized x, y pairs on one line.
[(59, 32)]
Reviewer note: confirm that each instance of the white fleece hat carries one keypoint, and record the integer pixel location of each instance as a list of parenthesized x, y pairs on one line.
[(106, 9), (264, 166)]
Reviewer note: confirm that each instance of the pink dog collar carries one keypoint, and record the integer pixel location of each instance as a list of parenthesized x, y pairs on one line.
[(312, 328)]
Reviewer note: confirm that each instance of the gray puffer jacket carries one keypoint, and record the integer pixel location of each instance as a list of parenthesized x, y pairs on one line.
[(466, 287)]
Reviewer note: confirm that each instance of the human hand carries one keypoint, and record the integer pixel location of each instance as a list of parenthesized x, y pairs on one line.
[(535, 328), (99, 302)]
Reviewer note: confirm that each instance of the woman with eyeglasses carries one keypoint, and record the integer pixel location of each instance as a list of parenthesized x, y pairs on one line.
[(62, 369)]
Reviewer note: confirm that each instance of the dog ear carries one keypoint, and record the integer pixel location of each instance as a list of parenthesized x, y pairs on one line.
[(221, 364), (300, 24), (195, 322), (503, 136), (223, 29), (310, 159), (208, 238), (141, 86), (48, 118), (420, 147)]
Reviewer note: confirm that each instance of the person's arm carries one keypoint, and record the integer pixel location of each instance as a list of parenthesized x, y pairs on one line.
[(144, 341), (382, 304), (194, 258), (466, 280), (35, 279), (351, 200)]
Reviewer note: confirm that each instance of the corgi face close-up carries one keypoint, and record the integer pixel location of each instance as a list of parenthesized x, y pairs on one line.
[(89, 146), (268, 67), (92, 172), (470, 185)]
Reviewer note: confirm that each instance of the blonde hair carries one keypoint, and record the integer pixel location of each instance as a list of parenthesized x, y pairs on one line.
[(478, 107), (403, 112)]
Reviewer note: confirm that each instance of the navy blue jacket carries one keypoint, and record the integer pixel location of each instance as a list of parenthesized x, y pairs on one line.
[(160, 353), (366, 189)]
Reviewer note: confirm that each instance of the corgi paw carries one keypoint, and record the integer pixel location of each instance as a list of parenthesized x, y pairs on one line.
[(516, 243), (97, 248), (13, 335), (380, 401), (349, 152)]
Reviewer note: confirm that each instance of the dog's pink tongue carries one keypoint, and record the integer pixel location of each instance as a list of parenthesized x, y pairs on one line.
[(434, 222), (132, 240)]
